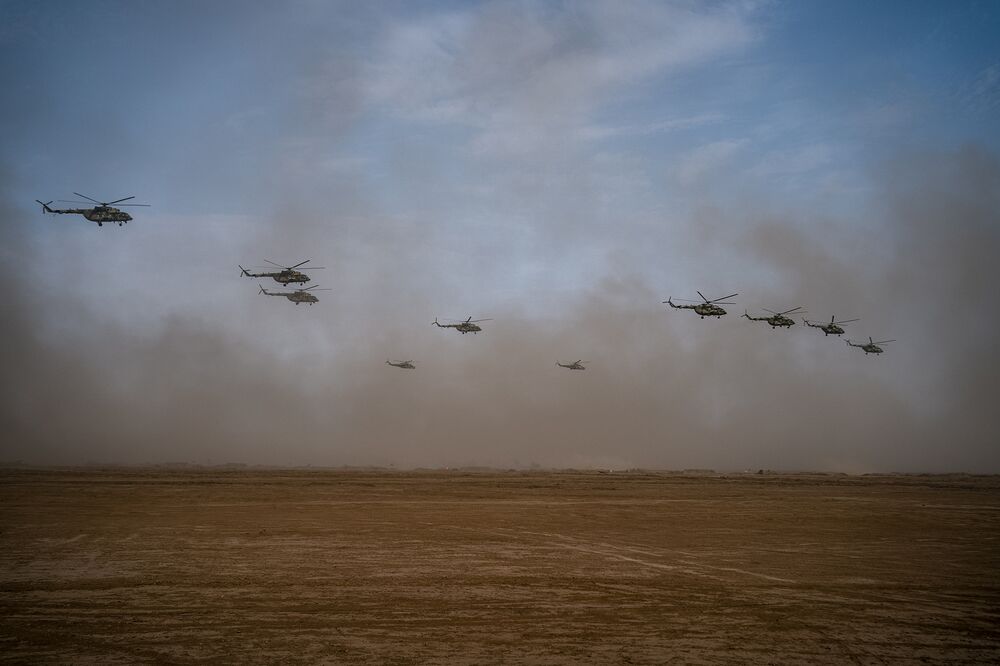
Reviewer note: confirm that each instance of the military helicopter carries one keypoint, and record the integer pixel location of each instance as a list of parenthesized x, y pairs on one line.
[(467, 326), (776, 319), (575, 365), (833, 328), (287, 274), (871, 347), (297, 296), (101, 213), (406, 365), (706, 309)]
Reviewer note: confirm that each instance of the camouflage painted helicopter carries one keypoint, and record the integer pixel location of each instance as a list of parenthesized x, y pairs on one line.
[(297, 296), (833, 328), (575, 365), (101, 213), (776, 319), (287, 274), (463, 327), (406, 365), (871, 347), (706, 309)]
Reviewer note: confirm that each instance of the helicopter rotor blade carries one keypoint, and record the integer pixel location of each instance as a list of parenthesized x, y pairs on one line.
[(771, 311), (790, 311), (120, 200), (278, 265), (844, 321), (300, 263), (473, 321), (144, 205), (720, 299), (685, 300), (85, 203), (703, 297), (84, 196), (882, 342)]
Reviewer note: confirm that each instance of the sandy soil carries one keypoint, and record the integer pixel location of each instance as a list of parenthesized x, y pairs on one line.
[(125, 566)]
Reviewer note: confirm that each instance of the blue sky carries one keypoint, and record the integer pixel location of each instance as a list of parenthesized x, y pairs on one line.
[(520, 160)]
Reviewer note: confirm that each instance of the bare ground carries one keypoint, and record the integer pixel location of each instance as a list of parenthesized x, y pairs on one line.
[(125, 566)]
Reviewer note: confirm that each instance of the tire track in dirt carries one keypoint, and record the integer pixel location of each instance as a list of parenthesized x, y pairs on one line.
[(612, 551)]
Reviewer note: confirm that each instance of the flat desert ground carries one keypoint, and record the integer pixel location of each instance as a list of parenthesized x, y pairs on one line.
[(173, 565)]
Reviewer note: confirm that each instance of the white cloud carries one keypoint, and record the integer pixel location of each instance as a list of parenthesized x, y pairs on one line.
[(528, 74), (601, 132), (706, 159)]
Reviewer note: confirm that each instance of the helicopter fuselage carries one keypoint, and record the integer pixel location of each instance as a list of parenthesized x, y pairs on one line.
[(294, 296), (709, 310), (98, 214), (101, 214), (869, 348), (284, 277), (701, 309), (775, 321), (301, 297)]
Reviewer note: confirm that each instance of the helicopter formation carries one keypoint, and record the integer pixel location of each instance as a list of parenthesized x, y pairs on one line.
[(105, 211), (710, 308)]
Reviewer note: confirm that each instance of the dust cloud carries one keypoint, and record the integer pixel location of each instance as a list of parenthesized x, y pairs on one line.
[(663, 389)]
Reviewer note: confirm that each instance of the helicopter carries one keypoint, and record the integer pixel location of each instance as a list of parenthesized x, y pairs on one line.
[(406, 365), (467, 326), (101, 213), (297, 296), (575, 365), (833, 328), (776, 319), (286, 275), (706, 309), (871, 347)]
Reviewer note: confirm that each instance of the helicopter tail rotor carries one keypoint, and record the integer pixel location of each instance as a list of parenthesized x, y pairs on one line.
[(45, 206)]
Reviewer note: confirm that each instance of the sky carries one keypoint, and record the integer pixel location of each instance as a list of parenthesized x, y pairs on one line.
[(559, 168)]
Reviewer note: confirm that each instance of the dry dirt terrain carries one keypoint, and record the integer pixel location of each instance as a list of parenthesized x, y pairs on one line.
[(129, 565)]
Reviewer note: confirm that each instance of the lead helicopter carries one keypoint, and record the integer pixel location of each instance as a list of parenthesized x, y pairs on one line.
[(297, 296), (871, 347), (776, 319), (463, 327), (406, 365), (833, 328), (706, 309), (101, 213), (287, 274), (575, 365)]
